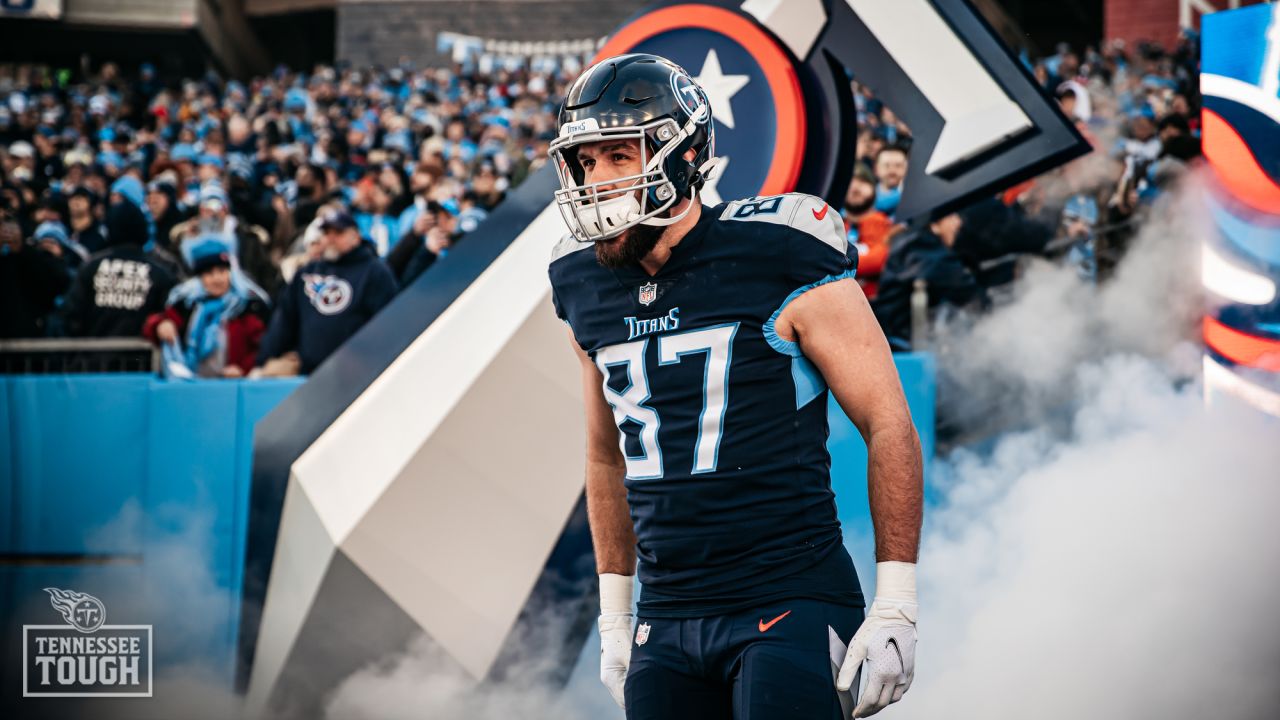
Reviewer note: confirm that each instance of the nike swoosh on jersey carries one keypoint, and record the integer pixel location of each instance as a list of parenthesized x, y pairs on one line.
[(766, 625), (819, 215)]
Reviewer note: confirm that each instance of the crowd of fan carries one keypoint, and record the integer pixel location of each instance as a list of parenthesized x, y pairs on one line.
[(251, 228), (215, 217), (1138, 109)]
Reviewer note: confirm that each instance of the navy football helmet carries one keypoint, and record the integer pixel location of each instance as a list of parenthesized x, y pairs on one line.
[(633, 96)]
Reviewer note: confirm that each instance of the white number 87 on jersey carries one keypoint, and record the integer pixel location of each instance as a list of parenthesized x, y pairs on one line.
[(629, 403)]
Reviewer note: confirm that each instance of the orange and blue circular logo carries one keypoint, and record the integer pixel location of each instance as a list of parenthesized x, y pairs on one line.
[(748, 79)]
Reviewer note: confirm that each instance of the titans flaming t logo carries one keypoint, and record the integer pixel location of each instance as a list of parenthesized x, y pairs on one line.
[(82, 611)]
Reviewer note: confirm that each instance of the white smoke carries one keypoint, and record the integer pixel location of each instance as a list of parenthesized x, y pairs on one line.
[(1112, 554), (1116, 556), (177, 594), (424, 683), (1128, 571), (1016, 363)]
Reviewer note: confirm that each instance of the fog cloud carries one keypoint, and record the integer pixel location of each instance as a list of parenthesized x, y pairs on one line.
[(1113, 553)]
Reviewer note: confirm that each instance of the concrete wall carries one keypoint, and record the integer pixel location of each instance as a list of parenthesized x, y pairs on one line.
[(132, 13), (227, 33), (220, 24), (259, 8), (382, 31), (1158, 20), (1135, 20)]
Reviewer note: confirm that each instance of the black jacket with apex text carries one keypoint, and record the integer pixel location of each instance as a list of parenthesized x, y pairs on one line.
[(115, 291)]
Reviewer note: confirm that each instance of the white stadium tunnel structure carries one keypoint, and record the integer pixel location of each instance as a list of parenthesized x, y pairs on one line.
[(439, 486)]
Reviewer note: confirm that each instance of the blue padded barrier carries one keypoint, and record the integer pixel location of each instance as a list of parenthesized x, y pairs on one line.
[(78, 453), (154, 476), (134, 490)]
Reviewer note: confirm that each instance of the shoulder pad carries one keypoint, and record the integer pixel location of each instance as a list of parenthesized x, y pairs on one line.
[(568, 245), (809, 214)]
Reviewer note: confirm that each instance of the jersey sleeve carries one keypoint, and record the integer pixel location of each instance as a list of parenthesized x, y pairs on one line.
[(818, 248), (555, 271), (555, 303), (814, 243)]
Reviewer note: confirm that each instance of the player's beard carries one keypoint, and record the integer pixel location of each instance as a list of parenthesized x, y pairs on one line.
[(628, 248)]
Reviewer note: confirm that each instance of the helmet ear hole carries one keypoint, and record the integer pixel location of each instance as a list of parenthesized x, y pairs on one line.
[(706, 171)]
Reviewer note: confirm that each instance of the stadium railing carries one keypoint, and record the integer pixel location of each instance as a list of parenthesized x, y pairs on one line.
[(45, 356)]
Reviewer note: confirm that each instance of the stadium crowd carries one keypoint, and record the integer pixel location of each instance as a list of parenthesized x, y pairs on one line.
[(250, 228), (1138, 109), (215, 217)]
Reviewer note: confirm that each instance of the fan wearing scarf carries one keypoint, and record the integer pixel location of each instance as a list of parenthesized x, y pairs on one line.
[(216, 322)]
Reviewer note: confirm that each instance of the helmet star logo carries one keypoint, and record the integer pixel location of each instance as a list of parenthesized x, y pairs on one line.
[(720, 88)]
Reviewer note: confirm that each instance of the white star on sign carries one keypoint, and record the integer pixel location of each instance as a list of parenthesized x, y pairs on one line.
[(720, 88)]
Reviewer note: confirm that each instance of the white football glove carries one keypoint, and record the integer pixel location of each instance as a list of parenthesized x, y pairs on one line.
[(616, 624), (886, 641)]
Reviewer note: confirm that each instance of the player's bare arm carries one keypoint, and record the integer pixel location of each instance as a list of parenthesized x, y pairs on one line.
[(837, 331), (612, 533)]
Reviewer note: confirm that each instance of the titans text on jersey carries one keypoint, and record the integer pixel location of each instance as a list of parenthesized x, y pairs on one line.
[(723, 423), (643, 326)]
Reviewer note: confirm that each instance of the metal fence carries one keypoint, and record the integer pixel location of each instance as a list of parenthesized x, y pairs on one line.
[(82, 355)]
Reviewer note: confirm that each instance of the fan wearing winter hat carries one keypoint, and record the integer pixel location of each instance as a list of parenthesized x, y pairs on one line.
[(30, 280), (52, 237), (216, 322), (249, 243)]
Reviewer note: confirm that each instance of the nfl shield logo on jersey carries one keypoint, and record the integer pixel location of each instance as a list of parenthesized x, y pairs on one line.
[(648, 293), (642, 634)]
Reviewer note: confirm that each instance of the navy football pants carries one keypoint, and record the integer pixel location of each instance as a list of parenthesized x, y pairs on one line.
[(768, 663)]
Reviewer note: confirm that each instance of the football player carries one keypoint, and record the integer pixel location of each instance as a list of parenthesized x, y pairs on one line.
[(709, 338)]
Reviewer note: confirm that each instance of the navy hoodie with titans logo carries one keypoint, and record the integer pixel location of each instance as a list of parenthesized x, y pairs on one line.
[(326, 302)]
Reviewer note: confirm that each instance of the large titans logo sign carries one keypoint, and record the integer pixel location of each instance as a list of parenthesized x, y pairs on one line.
[(427, 479), (1240, 82), (777, 75)]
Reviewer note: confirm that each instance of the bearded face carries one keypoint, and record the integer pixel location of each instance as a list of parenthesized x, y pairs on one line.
[(860, 197), (629, 247)]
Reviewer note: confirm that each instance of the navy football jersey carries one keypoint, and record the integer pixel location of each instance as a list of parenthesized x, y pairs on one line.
[(723, 423)]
